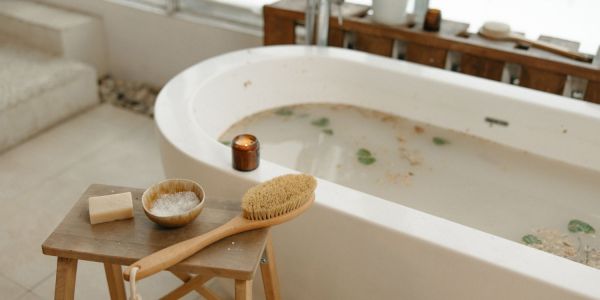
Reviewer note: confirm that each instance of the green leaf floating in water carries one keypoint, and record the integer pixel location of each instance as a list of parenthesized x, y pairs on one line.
[(440, 141), (366, 160), (322, 122), (363, 152), (284, 111), (226, 143), (580, 226), (327, 131), (365, 157), (531, 239)]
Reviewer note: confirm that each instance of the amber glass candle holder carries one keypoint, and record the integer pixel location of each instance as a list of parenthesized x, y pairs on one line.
[(433, 20), (245, 152)]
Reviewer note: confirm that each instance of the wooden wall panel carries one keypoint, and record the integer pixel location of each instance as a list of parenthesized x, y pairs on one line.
[(541, 70), (336, 37), (592, 92), (542, 80), (374, 44), (481, 67), (435, 57), (277, 30)]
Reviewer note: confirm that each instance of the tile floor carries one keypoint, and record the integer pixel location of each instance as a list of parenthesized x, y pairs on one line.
[(42, 178)]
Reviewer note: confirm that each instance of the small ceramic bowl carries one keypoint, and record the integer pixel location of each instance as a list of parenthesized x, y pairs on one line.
[(171, 186)]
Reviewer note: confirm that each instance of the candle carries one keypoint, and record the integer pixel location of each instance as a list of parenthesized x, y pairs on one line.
[(433, 19), (245, 152)]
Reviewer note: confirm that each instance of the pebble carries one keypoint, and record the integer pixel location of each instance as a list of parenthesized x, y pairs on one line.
[(135, 96)]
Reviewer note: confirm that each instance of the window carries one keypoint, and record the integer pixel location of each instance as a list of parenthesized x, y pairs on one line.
[(575, 20), (244, 12)]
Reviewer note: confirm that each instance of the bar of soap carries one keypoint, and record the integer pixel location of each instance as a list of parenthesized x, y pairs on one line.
[(110, 208)]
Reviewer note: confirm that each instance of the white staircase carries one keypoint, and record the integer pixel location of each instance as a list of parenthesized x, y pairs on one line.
[(64, 33), (49, 61)]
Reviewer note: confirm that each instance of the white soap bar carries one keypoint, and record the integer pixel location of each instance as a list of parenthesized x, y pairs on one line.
[(110, 208)]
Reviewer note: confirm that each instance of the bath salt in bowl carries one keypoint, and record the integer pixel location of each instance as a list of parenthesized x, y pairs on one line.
[(173, 202)]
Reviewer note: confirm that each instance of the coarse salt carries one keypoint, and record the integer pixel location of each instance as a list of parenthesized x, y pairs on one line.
[(174, 204)]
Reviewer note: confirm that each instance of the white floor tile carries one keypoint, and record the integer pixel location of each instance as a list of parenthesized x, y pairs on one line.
[(42, 178), (10, 289), (60, 147), (91, 284), (30, 296)]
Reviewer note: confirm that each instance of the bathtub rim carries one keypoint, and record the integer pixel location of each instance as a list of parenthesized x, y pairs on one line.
[(206, 150)]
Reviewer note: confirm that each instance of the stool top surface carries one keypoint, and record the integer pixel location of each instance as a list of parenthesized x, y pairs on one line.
[(126, 241)]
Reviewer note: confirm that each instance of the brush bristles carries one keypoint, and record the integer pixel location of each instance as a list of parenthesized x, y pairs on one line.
[(277, 196)]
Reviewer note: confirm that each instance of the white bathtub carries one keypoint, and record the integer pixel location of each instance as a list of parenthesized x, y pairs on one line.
[(352, 245)]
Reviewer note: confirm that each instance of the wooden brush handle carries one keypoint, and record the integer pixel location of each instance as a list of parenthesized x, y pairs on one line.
[(173, 254), (554, 48)]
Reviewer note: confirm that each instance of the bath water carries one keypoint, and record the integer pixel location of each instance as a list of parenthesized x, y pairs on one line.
[(469, 180)]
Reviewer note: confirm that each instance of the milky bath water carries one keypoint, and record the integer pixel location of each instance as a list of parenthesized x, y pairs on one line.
[(494, 188)]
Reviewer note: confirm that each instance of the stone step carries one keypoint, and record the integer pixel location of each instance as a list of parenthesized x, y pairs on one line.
[(38, 90), (57, 31)]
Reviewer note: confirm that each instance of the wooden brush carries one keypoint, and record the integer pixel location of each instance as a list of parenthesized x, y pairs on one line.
[(270, 203), (501, 31)]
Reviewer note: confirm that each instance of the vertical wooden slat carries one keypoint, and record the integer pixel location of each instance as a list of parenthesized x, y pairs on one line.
[(592, 92), (551, 82), (374, 44), (542, 80), (481, 67), (336, 37), (426, 55), (278, 30)]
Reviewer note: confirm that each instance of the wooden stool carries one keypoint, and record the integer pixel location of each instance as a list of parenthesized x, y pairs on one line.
[(124, 242)]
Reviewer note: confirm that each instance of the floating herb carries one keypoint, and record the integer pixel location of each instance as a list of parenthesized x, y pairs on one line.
[(362, 152), (365, 157), (366, 160), (322, 122), (440, 141), (226, 143), (327, 131), (580, 226), (531, 239), (284, 111)]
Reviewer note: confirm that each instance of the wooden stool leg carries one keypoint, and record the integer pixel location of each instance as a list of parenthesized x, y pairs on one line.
[(269, 273), (243, 289), (203, 291), (114, 277), (66, 272), (190, 284)]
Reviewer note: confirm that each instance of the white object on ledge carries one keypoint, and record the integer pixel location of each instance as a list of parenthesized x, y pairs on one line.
[(389, 12)]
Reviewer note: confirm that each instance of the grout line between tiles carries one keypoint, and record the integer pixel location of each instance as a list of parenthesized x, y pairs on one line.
[(86, 155), (17, 284), (41, 281)]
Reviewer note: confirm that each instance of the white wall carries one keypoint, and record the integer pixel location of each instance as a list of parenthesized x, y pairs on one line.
[(149, 46)]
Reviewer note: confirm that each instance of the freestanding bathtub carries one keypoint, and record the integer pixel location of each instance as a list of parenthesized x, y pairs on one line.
[(352, 245)]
